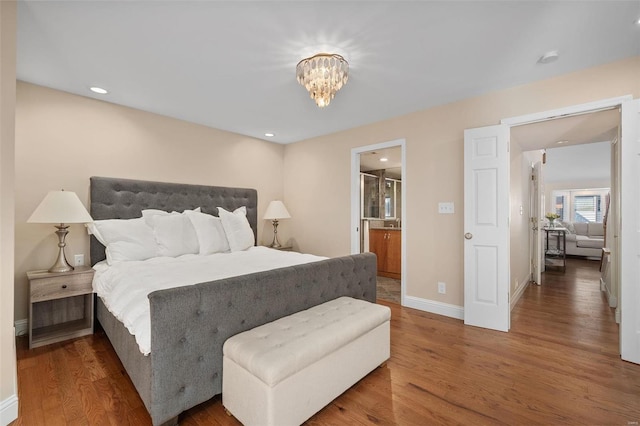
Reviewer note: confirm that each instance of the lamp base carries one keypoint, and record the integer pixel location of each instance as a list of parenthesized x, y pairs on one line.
[(275, 243), (61, 264)]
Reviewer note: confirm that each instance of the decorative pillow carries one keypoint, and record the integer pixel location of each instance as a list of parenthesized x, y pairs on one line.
[(237, 228), (210, 232), (569, 226), (125, 239), (174, 234)]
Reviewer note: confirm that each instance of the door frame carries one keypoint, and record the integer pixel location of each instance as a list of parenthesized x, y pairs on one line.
[(536, 207), (579, 109), (355, 203)]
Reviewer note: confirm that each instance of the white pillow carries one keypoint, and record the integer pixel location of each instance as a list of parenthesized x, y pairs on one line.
[(149, 213), (174, 234), (210, 232), (125, 239), (237, 228)]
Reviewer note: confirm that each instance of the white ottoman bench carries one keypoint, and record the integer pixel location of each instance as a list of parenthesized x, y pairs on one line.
[(283, 372)]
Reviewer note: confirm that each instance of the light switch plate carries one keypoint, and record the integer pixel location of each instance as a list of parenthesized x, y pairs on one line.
[(446, 208)]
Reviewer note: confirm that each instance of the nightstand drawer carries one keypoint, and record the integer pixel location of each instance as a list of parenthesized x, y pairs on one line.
[(58, 287)]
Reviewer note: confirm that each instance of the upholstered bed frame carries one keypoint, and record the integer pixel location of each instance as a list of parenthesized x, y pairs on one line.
[(190, 324)]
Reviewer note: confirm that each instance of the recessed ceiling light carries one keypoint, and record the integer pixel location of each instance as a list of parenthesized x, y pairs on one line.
[(269, 134), (383, 159), (98, 90), (561, 142), (549, 57)]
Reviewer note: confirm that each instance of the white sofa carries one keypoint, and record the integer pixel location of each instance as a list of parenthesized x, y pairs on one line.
[(584, 239)]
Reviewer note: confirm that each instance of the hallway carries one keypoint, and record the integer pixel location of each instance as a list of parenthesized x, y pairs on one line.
[(569, 309)]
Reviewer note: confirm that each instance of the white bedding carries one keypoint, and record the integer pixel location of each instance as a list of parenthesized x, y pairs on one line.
[(124, 286)]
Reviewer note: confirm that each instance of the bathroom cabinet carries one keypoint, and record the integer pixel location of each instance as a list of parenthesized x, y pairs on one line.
[(386, 243)]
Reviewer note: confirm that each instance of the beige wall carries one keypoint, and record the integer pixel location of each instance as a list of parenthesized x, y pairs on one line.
[(8, 385), (317, 171), (63, 139)]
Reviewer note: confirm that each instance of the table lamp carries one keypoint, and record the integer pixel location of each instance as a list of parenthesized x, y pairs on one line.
[(275, 211), (61, 207)]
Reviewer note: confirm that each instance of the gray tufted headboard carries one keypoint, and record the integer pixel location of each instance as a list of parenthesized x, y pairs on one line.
[(113, 198)]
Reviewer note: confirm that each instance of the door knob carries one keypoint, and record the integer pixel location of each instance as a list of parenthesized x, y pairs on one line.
[(468, 235)]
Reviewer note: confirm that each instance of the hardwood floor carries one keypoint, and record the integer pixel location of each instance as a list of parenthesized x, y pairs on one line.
[(559, 364)]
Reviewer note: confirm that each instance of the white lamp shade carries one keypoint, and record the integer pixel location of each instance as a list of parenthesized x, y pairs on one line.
[(276, 210), (60, 207)]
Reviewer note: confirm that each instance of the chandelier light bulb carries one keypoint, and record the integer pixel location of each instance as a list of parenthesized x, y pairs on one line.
[(323, 75)]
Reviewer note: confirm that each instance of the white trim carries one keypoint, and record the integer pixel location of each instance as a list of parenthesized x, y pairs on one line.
[(577, 110), (9, 410), (355, 204), (518, 292), (613, 301), (22, 327), (566, 111), (629, 232), (445, 309), (9, 407)]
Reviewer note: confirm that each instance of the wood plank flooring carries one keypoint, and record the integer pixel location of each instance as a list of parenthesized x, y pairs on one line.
[(559, 364)]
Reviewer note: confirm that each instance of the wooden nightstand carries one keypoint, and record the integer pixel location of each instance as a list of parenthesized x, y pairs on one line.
[(60, 305)]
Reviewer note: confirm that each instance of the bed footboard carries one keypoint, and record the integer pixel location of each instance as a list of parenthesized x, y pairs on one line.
[(190, 324)]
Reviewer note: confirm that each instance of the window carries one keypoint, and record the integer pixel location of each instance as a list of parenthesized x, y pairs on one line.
[(580, 205), (587, 208), (560, 206)]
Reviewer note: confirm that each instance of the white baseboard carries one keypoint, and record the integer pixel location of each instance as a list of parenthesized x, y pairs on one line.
[(613, 300), (9, 410), (434, 307), (22, 327), (518, 292), (9, 406)]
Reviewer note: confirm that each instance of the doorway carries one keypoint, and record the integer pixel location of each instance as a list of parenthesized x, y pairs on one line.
[(490, 142), (627, 173), (570, 177), (378, 213)]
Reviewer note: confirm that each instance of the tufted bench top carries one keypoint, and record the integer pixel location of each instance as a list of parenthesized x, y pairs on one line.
[(279, 349)]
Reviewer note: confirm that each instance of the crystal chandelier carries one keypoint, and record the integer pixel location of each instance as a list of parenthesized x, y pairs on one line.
[(323, 75)]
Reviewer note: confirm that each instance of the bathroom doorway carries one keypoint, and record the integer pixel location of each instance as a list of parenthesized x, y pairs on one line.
[(378, 213)]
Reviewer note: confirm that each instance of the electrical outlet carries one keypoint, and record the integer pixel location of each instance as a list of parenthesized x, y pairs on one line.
[(78, 260), (445, 208), (442, 288)]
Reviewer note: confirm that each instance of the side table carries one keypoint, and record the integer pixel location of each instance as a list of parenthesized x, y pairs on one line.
[(50, 319)]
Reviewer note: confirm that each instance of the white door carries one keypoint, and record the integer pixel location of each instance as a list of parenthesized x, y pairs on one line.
[(486, 227), (630, 232), (537, 207)]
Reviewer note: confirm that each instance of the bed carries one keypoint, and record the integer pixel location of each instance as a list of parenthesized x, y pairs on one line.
[(189, 324)]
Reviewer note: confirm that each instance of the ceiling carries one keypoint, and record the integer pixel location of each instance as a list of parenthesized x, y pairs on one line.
[(578, 163), (589, 128), (371, 160), (393, 165), (231, 64)]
